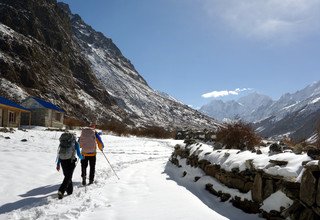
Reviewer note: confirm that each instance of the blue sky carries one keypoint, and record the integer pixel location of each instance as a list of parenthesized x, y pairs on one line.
[(193, 48)]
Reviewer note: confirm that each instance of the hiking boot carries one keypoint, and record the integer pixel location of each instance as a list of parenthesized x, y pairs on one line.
[(84, 182), (90, 182), (60, 195)]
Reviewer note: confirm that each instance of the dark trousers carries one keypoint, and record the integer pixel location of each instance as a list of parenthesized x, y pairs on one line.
[(84, 164), (67, 168)]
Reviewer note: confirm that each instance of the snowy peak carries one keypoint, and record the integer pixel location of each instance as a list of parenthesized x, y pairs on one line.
[(243, 108)]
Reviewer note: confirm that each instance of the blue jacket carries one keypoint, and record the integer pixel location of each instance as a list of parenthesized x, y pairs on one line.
[(77, 148)]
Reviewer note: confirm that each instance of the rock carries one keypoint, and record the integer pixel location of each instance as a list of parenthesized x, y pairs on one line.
[(197, 178), (225, 197), (175, 161), (211, 170), (259, 151), (314, 153), (256, 191), (293, 211), (236, 183), (24, 140), (7, 137), (305, 162), (249, 164), (245, 205), (247, 187), (210, 189), (318, 195), (235, 170), (307, 214), (279, 162), (268, 188), (275, 148), (203, 163), (291, 189), (217, 145), (184, 173), (308, 188)]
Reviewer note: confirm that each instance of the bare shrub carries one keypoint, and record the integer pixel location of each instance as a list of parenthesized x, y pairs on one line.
[(116, 127), (238, 135), (72, 123), (154, 132), (121, 129)]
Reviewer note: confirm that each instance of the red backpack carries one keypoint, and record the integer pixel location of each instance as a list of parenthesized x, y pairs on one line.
[(88, 141)]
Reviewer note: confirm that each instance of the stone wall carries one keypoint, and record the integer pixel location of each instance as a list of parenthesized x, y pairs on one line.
[(306, 195)]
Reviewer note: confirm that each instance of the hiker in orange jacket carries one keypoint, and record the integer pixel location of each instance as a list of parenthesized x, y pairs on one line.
[(89, 140)]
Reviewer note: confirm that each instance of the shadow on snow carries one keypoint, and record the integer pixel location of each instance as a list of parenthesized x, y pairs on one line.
[(223, 208), (32, 199)]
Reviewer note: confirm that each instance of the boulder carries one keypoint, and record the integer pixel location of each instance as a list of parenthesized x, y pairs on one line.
[(245, 205), (275, 149), (210, 189), (268, 188), (279, 162), (256, 191), (308, 188), (314, 153)]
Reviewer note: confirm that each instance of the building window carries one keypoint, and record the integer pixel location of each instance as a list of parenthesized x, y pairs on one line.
[(12, 117), (58, 116)]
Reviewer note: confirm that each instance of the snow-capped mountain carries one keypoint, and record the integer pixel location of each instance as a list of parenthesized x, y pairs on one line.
[(293, 114), (246, 108), (47, 51)]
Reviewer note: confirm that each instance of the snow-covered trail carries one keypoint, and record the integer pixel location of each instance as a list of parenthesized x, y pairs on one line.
[(144, 190)]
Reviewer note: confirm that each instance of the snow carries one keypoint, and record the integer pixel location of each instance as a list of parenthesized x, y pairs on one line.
[(6, 30), (229, 159), (13, 90), (315, 100), (147, 188), (275, 201)]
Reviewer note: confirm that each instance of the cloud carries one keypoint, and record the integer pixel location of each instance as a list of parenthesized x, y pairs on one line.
[(216, 94), (267, 19)]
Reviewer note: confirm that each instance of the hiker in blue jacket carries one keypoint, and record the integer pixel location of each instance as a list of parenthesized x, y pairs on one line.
[(66, 157)]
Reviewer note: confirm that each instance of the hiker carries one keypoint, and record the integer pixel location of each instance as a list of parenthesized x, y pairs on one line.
[(66, 157), (89, 140)]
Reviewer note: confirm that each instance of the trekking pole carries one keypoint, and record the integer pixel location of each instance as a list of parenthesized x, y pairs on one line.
[(110, 165)]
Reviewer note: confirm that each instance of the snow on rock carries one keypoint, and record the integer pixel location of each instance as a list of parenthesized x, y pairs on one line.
[(275, 201), (229, 159), (15, 91)]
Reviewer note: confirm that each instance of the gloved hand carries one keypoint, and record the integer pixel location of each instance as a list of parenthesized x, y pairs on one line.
[(58, 168)]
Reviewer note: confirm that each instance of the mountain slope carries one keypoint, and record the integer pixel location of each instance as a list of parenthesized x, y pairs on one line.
[(294, 114), (248, 108), (119, 77), (48, 52)]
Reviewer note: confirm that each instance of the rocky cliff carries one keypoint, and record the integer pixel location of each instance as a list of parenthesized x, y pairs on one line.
[(47, 51)]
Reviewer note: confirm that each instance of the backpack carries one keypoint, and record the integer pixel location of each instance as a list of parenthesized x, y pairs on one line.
[(88, 141), (66, 147)]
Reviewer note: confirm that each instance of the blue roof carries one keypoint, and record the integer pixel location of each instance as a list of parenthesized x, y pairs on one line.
[(10, 103), (47, 104)]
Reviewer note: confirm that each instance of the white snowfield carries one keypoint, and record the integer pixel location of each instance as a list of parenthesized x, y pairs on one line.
[(147, 188)]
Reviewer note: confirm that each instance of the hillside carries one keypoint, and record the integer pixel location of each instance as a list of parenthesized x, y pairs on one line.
[(47, 51), (295, 115)]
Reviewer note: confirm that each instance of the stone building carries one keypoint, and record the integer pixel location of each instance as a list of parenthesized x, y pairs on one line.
[(43, 113), (10, 113)]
